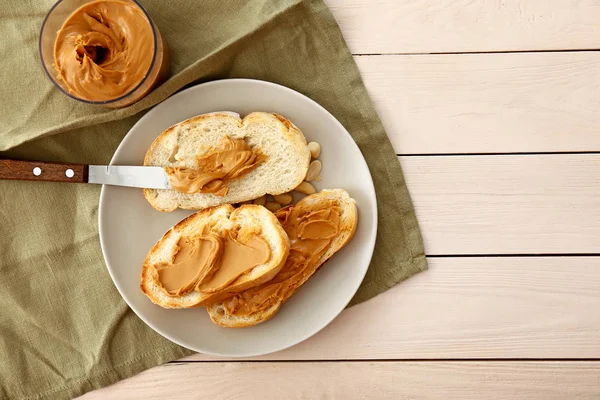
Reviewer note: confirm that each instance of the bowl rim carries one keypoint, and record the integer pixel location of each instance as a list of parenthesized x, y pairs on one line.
[(116, 99)]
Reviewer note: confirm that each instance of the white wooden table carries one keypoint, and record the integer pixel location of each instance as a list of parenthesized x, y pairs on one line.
[(494, 109)]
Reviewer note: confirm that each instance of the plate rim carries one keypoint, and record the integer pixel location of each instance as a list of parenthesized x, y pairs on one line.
[(370, 246)]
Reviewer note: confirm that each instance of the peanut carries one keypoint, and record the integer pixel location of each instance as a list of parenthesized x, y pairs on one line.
[(314, 169), (260, 201), (315, 149), (272, 206), (283, 199), (305, 188)]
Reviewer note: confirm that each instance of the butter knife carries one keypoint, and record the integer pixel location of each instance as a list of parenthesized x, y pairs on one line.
[(132, 176)]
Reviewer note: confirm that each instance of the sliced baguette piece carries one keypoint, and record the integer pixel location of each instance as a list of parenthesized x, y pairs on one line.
[(286, 157), (220, 219), (348, 221)]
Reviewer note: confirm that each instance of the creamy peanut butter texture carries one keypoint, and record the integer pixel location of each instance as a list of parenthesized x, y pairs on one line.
[(210, 262), (232, 159), (311, 233), (104, 50)]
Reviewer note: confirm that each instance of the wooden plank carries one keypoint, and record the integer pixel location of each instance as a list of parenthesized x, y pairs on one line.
[(441, 26), (512, 204), (467, 103), (541, 307), (347, 380)]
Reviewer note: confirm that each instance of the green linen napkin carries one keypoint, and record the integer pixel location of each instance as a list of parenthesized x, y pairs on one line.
[(64, 329)]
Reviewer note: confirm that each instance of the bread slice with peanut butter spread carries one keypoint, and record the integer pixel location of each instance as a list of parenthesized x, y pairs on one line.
[(214, 254), (318, 226), (219, 158)]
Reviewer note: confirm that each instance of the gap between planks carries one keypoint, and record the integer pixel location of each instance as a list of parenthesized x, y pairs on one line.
[(398, 360), (530, 153), (475, 52), (513, 255)]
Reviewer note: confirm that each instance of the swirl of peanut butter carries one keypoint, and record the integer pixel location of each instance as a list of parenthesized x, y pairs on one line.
[(210, 262), (216, 169), (104, 50), (311, 233)]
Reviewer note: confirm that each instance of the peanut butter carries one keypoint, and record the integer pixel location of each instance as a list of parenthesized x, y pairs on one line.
[(104, 50), (231, 160), (209, 263), (311, 233)]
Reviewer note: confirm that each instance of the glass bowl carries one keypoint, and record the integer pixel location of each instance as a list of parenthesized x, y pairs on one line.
[(56, 17)]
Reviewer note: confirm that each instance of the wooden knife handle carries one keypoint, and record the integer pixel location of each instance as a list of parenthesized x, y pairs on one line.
[(43, 171)]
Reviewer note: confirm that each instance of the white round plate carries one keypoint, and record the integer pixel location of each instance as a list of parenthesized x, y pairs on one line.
[(129, 226)]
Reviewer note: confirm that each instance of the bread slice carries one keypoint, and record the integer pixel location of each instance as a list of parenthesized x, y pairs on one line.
[(286, 157), (348, 221), (221, 220)]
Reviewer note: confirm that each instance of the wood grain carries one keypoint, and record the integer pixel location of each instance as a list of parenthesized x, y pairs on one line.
[(539, 307), (441, 26), (347, 380), (51, 172), (482, 103), (511, 204)]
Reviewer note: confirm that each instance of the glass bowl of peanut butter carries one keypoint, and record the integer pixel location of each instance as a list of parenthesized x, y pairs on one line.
[(105, 52)]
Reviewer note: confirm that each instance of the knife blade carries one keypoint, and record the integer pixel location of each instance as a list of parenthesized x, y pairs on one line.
[(131, 176)]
